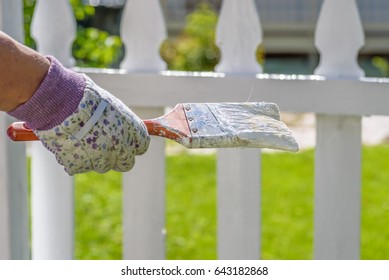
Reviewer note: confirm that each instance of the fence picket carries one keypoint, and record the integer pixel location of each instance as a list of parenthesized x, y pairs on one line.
[(339, 36), (238, 35), (52, 189), (142, 31), (14, 213), (54, 28)]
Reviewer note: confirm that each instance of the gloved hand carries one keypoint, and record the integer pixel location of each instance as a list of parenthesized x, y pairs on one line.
[(102, 134), (87, 131)]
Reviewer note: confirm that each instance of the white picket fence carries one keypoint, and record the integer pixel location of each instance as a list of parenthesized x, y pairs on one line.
[(338, 94)]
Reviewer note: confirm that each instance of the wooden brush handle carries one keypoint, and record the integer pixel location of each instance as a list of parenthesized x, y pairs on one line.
[(19, 131), (173, 126)]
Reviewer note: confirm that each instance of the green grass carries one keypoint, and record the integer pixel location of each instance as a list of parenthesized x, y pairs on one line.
[(287, 205), (98, 216), (375, 203), (191, 207), (287, 208)]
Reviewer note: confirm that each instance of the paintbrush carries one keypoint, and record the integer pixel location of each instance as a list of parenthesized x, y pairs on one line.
[(210, 125)]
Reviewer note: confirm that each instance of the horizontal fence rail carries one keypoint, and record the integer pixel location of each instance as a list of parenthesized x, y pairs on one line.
[(337, 93), (292, 93)]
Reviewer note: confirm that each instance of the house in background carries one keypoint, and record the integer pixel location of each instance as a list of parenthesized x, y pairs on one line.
[(288, 27)]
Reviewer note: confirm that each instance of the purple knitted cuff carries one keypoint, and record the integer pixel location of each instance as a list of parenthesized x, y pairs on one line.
[(56, 98)]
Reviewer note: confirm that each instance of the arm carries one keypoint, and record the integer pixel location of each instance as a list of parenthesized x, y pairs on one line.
[(21, 71)]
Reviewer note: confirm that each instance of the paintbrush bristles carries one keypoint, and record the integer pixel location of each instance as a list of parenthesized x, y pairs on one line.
[(244, 125)]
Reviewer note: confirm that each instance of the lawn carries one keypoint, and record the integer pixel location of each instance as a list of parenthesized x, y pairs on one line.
[(287, 208)]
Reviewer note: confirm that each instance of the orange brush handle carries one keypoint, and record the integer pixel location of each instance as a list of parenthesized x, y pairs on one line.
[(19, 131), (173, 126)]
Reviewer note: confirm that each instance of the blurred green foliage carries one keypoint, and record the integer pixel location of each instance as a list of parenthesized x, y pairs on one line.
[(194, 49), (382, 65), (92, 47), (81, 11), (28, 10), (96, 48)]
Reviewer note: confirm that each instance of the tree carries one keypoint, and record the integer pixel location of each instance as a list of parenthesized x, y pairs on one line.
[(381, 64), (194, 49)]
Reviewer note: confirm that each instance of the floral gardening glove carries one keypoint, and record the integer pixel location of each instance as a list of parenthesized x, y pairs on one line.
[(102, 134), (97, 133)]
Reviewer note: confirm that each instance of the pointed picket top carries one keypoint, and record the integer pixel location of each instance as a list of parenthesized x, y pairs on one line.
[(339, 37), (238, 35), (54, 28), (143, 31)]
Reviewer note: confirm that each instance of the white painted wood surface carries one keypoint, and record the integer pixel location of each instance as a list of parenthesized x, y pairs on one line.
[(54, 32), (339, 36), (52, 207), (144, 201), (238, 35), (238, 207), (337, 188), (52, 198), (238, 171), (11, 18), (14, 214), (293, 93), (143, 30)]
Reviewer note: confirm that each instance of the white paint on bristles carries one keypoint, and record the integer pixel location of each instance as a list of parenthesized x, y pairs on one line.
[(239, 125)]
